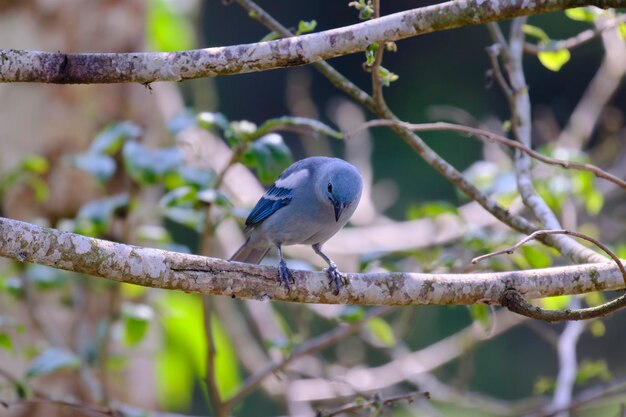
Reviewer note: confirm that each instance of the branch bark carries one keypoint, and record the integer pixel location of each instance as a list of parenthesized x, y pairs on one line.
[(191, 273), (148, 67)]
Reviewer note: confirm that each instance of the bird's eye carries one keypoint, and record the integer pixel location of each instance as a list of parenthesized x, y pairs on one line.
[(330, 188)]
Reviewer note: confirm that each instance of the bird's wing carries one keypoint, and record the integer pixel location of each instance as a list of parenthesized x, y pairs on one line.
[(278, 195), (274, 199)]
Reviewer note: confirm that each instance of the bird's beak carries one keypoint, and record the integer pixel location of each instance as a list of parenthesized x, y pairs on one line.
[(339, 207)]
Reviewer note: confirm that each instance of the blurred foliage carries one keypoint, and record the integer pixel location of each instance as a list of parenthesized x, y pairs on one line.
[(169, 325)]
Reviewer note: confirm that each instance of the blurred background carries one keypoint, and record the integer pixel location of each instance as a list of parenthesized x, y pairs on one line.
[(153, 165)]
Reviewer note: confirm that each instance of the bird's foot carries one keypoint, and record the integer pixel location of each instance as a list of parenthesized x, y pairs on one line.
[(336, 278), (284, 274)]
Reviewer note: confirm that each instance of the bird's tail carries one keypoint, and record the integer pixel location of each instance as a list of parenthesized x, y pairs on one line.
[(249, 254)]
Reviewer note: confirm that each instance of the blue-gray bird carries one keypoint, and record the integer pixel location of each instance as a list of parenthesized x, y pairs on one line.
[(310, 202)]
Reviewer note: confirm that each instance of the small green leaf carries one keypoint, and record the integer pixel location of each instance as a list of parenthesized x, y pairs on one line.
[(386, 76), (622, 30), (52, 360), (110, 140), (6, 342), (536, 257), (272, 36), (480, 313), (147, 166), (136, 318), (536, 32), (45, 277), (269, 156), (381, 330), (592, 369), (40, 187), (430, 210), (102, 167), (370, 54), (189, 217), (581, 14), (597, 328), (35, 164), (306, 27), (351, 313), (594, 200), (559, 302), (100, 212), (208, 121), (544, 385), (168, 26), (554, 60), (179, 197)]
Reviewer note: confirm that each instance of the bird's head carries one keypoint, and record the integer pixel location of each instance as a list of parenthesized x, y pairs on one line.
[(342, 187)]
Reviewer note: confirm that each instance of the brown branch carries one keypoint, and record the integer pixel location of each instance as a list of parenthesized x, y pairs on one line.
[(514, 301), (486, 137), (312, 345), (375, 402), (148, 67)]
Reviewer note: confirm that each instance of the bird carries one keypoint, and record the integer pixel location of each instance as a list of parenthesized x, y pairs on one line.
[(308, 204)]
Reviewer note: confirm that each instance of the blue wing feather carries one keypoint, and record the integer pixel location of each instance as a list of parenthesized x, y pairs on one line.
[(273, 200)]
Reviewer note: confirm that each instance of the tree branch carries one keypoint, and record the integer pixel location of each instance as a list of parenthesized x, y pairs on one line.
[(191, 273), (148, 67)]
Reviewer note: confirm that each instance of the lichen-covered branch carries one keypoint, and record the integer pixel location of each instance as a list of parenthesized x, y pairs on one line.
[(147, 67), (191, 273)]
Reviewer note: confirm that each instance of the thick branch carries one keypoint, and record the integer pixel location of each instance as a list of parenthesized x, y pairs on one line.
[(147, 67), (191, 273)]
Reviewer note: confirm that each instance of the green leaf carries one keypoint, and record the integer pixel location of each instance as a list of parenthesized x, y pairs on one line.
[(179, 197), (110, 140), (536, 32), (35, 164), (182, 361), (102, 167), (209, 121), (537, 258), (622, 30), (597, 328), (430, 210), (40, 187), (6, 342), (169, 27), (554, 60), (189, 217), (544, 385), (594, 200), (45, 277), (269, 156), (51, 360), (213, 196), (136, 319), (351, 313), (480, 313), (592, 369), (147, 166), (306, 27), (100, 212), (272, 36), (559, 302), (370, 54), (381, 330), (581, 14), (386, 76)]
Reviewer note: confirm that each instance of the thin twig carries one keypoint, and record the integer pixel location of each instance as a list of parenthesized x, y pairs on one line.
[(218, 405), (514, 301), (312, 345), (577, 40), (486, 137), (375, 402)]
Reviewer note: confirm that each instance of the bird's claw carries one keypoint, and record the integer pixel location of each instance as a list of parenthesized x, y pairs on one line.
[(284, 275), (336, 278)]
